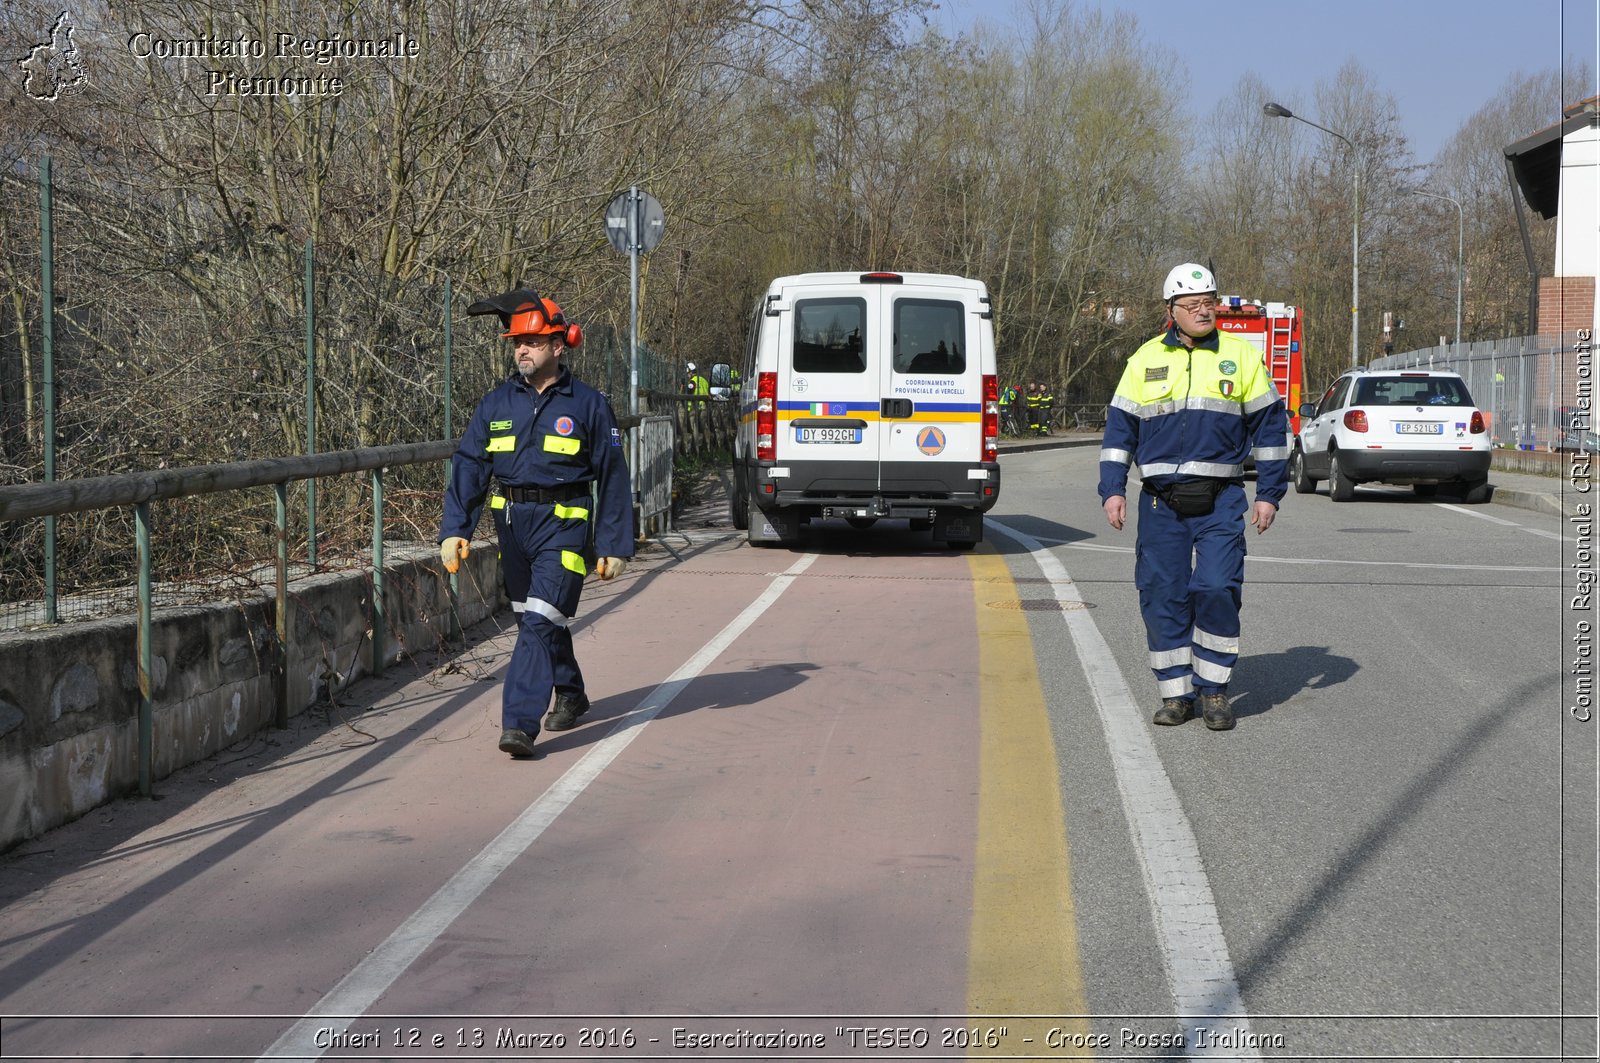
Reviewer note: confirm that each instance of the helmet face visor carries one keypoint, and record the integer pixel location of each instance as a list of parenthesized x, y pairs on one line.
[(534, 320)]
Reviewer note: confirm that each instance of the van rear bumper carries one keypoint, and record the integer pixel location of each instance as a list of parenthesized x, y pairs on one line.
[(894, 489)]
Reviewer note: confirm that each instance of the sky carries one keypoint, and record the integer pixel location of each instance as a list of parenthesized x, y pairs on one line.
[(1442, 61)]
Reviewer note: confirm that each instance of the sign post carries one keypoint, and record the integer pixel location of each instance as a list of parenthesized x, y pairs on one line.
[(634, 224)]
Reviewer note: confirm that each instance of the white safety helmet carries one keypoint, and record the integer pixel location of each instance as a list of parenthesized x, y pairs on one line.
[(690, 367), (1191, 278)]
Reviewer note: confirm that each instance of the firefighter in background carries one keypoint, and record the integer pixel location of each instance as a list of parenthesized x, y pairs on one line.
[(1034, 400), (547, 439), (1191, 405), (1047, 408)]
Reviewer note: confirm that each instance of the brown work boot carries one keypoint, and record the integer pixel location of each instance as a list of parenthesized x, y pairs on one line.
[(519, 744), (565, 713), (1215, 711), (1173, 711)]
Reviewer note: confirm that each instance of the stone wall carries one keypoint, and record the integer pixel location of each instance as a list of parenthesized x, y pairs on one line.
[(69, 694)]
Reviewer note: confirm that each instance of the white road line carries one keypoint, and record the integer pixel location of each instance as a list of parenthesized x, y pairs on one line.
[(1541, 533), (372, 977), (1199, 968), (1475, 513)]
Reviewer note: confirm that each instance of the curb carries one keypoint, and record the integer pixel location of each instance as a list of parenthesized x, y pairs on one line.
[(1538, 501)]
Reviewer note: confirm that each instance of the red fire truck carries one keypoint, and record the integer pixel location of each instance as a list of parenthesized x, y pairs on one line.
[(1275, 330)]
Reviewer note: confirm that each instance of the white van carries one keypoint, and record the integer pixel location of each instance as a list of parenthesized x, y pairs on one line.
[(868, 396)]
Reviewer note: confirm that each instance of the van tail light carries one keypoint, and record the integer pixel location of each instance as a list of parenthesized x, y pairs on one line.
[(991, 417), (1356, 420), (767, 417), (1478, 427)]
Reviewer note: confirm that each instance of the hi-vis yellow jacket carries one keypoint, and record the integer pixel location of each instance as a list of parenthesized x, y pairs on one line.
[(1180, 413)]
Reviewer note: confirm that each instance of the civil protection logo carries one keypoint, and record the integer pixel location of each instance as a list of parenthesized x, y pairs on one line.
[(930, 441), (53, 68), (564, 425)]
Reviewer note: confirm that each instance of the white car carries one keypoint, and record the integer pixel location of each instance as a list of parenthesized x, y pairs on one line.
[(1416, 427)]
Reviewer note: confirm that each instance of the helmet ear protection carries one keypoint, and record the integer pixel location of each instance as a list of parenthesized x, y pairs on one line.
[(525, 312)]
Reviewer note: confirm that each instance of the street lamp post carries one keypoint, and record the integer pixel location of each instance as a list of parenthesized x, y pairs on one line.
[(1279, 111), (1461, 239)]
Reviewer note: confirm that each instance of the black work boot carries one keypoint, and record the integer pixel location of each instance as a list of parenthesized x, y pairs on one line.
[(1214, 709), (568, 708), (1173, 711), (519, 744)]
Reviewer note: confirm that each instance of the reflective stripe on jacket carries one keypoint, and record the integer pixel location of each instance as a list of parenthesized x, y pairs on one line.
[(1180, 413)]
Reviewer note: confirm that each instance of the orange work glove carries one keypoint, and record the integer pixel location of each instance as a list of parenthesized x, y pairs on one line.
[(452, 551), (610, 567)]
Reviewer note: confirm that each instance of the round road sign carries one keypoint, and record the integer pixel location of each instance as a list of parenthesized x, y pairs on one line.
[(646, 216)]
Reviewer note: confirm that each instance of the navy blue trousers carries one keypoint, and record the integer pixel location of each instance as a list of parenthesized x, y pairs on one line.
[(1190, 575), (542, 562)]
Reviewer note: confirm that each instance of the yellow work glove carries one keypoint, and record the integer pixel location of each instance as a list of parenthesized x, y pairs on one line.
[(451, 552), (610, 567)]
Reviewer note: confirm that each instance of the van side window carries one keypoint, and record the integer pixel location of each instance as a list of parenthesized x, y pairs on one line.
[(930, 337), (827, 335)]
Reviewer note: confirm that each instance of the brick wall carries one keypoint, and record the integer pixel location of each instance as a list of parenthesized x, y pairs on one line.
[(1566, 304)]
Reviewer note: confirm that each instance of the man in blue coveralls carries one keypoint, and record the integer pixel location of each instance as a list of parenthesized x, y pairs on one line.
[(552, 445), (1191, 405)]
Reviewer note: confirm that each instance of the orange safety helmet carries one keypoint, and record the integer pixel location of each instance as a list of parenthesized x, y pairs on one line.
[(541, 317)]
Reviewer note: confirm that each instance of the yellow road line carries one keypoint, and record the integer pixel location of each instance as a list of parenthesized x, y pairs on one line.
[(1023, 957)]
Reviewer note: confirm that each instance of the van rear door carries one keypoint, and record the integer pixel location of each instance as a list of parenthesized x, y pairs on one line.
[(829, 387), (932, 385)]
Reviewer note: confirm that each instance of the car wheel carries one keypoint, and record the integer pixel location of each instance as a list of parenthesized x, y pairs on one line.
[(739, 504), (1340, 487), (1303, 483), (1425, 490), (1475, 492)]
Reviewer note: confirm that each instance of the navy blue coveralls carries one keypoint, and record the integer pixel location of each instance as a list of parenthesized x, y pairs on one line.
[(558, 461), (1183, 414)]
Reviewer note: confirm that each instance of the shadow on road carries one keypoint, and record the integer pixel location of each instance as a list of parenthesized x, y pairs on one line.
[(1265, 680)]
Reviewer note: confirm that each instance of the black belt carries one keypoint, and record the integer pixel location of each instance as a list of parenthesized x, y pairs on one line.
[(546, 495)]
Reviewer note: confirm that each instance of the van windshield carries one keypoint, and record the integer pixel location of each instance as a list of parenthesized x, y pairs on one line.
[(827, 335), (929, 337)]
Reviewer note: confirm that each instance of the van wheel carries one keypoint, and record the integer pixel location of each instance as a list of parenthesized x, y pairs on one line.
[(1303, 483), (739, 504), (960, 544), (1340, 487), (1475, 492), (921, 524), (861, 523)]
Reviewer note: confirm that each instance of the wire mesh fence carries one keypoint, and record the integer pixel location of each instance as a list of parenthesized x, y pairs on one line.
[(1537, 390)]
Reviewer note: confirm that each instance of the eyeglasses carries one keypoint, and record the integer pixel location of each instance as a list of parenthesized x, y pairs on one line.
[(535, 340), (1198, 306)]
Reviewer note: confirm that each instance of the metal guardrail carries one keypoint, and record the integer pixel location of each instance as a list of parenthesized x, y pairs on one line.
[(138, 490)]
